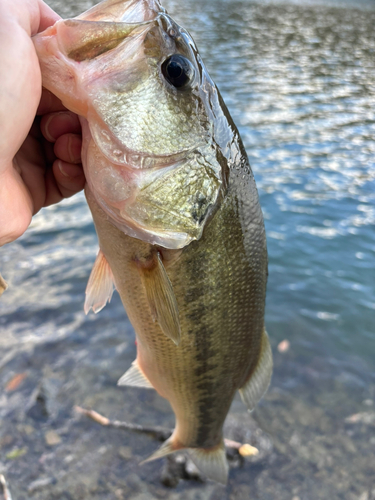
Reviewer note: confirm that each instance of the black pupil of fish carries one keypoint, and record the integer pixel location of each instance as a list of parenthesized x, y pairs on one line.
[(177, 70)]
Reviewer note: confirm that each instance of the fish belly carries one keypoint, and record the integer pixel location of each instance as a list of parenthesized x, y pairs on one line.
[(219, 283)]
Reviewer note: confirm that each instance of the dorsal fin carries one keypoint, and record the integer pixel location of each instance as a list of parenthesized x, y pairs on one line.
[(100, 286), (161, 298), (260, 379), (134, 377), (3, 285)]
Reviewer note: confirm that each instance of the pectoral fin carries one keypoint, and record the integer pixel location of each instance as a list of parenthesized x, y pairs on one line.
[(134, 377), (100, 286), (3, 285), (260, 378), (161, 298)]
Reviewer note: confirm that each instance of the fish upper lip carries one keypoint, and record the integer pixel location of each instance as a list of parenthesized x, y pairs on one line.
[(119, 154), (145, 161)]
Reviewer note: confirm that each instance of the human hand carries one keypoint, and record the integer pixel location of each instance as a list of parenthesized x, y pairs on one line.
[(34, 173)]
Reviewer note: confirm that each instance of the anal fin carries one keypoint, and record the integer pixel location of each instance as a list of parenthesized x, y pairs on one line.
[(165, 449), (100, 286), (161, 298), (260, 378), (3, 285), (134, 377)]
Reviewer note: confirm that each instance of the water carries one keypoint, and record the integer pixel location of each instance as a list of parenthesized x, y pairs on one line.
[(298, 79)]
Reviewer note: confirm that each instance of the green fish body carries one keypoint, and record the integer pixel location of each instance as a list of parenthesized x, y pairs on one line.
[(176, 210)]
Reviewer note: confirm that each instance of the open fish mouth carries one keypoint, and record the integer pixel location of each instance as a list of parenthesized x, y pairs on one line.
[(131, 11), (147, 105), (137, 200), (117, 152)]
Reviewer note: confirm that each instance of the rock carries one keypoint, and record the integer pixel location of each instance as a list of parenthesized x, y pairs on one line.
[(52, 438), (247, 450), (135, 483), (192, 470), (43, 402), (119, 494), (6, 440), (37, 406), (125, 452), (284, 346), (26, 429), (365, 417), (172, 471), (364, 496), (41, 483), (143, 496)]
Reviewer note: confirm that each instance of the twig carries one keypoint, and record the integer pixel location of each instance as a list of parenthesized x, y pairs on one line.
[(161, 433), (6, 492)]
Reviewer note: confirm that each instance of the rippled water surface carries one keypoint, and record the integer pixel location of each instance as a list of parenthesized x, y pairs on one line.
[(299, 81)]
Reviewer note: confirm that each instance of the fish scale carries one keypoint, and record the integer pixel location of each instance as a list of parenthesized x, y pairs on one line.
[(176, 210), (204, 379)]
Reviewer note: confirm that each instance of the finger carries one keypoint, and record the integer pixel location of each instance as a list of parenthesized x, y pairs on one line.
[(49, 154), (63, 181), (16, 206), (49, 103), (32, 16), (68, 148), (48, 17), (54, 125)]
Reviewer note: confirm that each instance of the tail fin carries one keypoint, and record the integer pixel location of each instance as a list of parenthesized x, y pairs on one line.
[(211, 462)]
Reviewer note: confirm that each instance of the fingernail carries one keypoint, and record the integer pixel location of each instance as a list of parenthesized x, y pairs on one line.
[(49, 137), (72, 149), (62, 115), (69, 170)]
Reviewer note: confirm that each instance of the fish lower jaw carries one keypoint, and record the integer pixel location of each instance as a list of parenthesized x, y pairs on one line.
[(141, 161), (172, 240), (119, 153)]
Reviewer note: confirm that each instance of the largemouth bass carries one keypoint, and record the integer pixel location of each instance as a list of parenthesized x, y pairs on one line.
[(176, 210)]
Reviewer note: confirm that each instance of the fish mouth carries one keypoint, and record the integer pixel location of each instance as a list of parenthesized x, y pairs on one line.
[(131, 11), (123, 193), (165, 238), (117, 153)]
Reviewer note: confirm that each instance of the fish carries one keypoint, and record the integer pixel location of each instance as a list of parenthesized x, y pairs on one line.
[(176, 210)]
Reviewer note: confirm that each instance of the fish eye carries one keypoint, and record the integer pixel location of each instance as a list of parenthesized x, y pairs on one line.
[(178, 71)]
